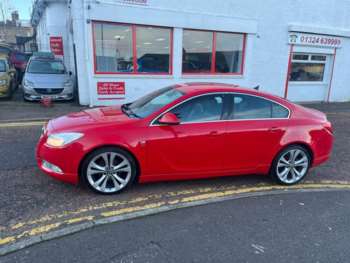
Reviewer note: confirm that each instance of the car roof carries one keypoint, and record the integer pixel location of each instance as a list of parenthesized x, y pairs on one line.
[(197, 88)]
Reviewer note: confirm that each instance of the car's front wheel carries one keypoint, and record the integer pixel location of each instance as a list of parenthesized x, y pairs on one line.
[(291, 165), (109, 170)]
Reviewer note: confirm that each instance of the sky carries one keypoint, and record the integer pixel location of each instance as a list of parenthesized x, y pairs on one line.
[(22, 6)]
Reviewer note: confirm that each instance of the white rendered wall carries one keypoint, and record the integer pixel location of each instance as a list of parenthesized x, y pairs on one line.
[(267, 50)]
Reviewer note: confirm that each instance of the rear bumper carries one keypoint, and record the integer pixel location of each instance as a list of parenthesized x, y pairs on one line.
[(320, 160), (322, 147)]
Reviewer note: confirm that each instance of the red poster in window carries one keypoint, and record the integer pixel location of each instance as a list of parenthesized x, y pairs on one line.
[(111, 88), (56, 45)]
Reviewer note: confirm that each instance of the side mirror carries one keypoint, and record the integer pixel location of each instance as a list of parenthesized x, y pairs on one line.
[(169, 118), (70, 73)]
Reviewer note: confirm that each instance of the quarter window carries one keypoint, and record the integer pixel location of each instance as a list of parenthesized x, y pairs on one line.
[(308, 67), (212, 52), (201, 109), (251, 107), (124, 48)]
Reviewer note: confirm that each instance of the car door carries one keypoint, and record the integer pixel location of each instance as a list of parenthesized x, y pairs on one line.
[(193, 147), (254, 131)]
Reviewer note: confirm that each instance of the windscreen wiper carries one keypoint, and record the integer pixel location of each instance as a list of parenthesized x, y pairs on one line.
[(125, 108)]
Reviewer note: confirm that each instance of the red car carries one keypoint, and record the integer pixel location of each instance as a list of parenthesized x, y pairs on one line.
[(19, 60), (188, 131)]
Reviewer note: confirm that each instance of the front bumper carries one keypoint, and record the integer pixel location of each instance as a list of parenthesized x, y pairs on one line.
[(31, 95), (66, 158)]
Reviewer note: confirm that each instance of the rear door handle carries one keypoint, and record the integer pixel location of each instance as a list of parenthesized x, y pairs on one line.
[(274, 129), (214, 133)]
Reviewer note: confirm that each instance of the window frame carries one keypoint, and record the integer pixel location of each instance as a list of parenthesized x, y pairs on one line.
[(133, 48), (225, 116), (231, 112), (310, 61), (213, 55)]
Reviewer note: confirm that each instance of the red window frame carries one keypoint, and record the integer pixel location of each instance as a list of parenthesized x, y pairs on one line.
[(213, 55), (134, 49)]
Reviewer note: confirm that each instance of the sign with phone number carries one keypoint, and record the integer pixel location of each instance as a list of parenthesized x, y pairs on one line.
[(314, 40)]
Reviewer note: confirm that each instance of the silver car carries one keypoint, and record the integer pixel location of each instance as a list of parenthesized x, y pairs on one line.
[(47, 77)]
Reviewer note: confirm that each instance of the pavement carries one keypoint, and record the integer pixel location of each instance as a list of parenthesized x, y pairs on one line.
[(18, 110), (35, 207), (293, 227)]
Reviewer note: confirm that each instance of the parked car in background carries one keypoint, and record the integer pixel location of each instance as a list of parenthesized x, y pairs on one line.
[(8, 82), (19, 60), (46, 76), (5, 49), (186, 131)]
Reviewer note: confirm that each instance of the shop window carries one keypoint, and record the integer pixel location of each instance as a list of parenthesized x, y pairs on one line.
[(113, 48), (130, 49), (197, 51), (229, 48), (152, 49), (212, 52), (308, 67)]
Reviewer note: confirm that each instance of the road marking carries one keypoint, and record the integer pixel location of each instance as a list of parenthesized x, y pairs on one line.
[(200, 197), (22, 124), (111, 204), (7, 240), (131, 209)]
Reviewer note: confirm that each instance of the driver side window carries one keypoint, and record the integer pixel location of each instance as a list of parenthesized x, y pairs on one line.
[(201, 109)]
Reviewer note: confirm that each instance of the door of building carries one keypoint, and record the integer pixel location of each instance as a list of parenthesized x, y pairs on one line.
[(310, 76)]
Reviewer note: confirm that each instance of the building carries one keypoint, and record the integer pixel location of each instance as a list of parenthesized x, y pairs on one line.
[(123, 49), (16, 33)]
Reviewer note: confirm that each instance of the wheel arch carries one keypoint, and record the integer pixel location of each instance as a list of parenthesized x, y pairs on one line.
[(122, 147), (298, 143)]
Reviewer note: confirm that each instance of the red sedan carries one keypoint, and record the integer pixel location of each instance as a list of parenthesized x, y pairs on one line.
[(195, 130)]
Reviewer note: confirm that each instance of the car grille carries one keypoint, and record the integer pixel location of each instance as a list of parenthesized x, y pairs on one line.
[(48, 91)]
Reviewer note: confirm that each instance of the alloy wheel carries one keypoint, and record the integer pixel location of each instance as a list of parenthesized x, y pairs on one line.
[(292, 166), (109, 172)]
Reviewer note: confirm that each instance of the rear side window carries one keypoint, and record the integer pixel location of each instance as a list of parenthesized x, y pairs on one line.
[(246, 107), (201, 109)]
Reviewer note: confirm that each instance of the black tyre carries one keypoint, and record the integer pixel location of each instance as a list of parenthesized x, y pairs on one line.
[(109, 170), (291, 165)]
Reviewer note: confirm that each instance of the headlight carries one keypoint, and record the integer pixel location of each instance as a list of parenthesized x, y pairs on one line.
[(3, 81), (68, 83), (61, 139), (28, 83)]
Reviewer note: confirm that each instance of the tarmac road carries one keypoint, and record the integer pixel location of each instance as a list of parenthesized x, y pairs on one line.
[(28, 197), (295, 227)]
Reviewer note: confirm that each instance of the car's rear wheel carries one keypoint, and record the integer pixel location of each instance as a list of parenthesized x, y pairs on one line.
[(291, 165), (109, 170)]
